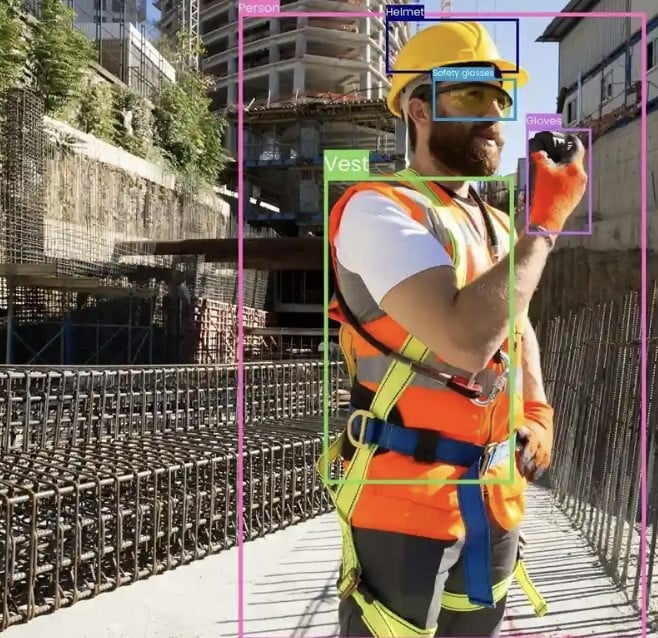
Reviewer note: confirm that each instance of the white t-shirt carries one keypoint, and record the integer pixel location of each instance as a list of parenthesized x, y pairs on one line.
[(378, 241)]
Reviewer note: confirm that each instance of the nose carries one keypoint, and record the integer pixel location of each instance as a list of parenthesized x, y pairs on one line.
[(494, 110)]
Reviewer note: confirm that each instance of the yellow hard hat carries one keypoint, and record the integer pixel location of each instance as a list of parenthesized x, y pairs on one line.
[(447, 44)]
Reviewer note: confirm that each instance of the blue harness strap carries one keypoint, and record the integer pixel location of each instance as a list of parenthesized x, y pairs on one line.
[(430, 447)]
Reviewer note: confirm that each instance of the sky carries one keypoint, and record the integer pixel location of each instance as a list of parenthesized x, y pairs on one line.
[(539, 60)]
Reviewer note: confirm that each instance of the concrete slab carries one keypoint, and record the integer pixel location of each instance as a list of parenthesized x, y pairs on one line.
[(290, 580)]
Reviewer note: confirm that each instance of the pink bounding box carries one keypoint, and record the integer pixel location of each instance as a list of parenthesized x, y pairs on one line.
[(270, 8)]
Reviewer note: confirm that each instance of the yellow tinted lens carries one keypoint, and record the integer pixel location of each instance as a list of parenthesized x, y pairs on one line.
[(476, 100)]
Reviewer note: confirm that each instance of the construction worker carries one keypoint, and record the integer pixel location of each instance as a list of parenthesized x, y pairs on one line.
[(445, 367)]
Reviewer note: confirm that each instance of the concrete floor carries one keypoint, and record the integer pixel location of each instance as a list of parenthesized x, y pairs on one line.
[(290, 580)]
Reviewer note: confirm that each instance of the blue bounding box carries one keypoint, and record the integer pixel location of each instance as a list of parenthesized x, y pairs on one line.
[(387, 61), (513, 116), (403, 12), (463, 74)]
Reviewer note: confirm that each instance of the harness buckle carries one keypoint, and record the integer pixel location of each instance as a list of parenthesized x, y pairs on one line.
[(498, 386), (485, 460), (359, 441), (349, 583)]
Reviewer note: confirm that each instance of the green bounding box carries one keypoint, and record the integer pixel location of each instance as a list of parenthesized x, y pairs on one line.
[(346, 165), (332, 174)]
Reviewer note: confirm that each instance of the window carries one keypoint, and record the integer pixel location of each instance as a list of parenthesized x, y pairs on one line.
[(606, 87), (571, 111), (652, 52)]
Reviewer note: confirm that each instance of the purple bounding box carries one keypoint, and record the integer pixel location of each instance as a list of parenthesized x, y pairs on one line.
[(536, 122)]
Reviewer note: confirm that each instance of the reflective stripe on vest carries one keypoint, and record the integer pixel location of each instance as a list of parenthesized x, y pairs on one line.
[(370, 369), (396, 378), (381, 621)]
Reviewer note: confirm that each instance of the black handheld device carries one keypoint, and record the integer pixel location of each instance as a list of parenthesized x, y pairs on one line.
[(560, 147)]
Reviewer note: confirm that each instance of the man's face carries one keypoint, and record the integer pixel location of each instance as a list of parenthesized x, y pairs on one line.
[(467, 148)]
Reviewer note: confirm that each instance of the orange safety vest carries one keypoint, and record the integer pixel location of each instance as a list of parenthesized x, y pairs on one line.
[(431, 510)]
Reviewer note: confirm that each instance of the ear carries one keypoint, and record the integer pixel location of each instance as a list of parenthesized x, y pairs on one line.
[(420, 112)]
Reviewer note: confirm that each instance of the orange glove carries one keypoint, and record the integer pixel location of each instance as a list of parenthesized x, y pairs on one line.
[(557, 189), (535, 440)]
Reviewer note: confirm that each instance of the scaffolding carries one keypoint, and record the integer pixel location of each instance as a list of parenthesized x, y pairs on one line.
[(190, 25), (284, 147), (69, 292)]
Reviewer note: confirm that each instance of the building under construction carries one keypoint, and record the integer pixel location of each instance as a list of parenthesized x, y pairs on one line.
[(80, 283), (310, 84)]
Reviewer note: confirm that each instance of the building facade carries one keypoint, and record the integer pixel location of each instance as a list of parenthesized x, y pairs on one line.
[(110, 11), (600, 89), (289, 58), (124, 41)]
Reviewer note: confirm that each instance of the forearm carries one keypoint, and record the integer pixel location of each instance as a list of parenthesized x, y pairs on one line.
[(533, 382), (482, 308)]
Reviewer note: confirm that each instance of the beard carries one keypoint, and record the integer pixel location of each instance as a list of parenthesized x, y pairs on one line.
[(455, 145)]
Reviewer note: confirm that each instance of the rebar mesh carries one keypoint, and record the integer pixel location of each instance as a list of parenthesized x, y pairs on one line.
[(72, 289), (592, 370), (110, 476), (22, 178)]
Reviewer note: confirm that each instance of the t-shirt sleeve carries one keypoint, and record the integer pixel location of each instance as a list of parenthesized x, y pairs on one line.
[(381, 243)]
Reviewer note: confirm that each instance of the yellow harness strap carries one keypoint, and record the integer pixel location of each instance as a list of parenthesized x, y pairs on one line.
[(460, 602), (381, 621)]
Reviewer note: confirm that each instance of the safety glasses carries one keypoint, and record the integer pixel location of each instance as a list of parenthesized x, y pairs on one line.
[(474, 99)]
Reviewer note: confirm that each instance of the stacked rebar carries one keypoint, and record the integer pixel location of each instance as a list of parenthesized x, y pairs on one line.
[(111, 476)]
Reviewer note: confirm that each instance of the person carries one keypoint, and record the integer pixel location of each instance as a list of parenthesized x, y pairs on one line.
[(449, 419)]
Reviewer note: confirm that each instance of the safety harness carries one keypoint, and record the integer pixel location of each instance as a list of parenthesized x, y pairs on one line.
[(367, 430)]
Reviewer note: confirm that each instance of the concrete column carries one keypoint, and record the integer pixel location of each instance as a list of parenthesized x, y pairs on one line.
[(273, 82), (366, 84), (275, 53), (275, 26), (300, 45), (231, 139), (232, 93), (299, 78)]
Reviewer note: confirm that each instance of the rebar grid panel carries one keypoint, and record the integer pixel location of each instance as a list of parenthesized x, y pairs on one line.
[(22, 178), (43, 408), (591, 363), (65, 203), (93, 207), (111, 476)]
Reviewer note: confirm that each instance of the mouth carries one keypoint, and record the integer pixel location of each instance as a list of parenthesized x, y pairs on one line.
[(488, 137)]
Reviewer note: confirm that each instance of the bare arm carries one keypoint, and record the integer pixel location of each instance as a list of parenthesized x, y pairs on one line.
[(533, 383), (466, 327)]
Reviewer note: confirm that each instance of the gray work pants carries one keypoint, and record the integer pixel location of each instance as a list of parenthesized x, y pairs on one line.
[(409, 574)]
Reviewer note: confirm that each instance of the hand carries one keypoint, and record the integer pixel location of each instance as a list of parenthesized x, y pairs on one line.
[(557, 188), (535, 440)]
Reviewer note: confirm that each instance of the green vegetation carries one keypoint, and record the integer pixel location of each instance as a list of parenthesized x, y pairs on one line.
[(61, 55), (14, 52), (185, 129), (173, 126)]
